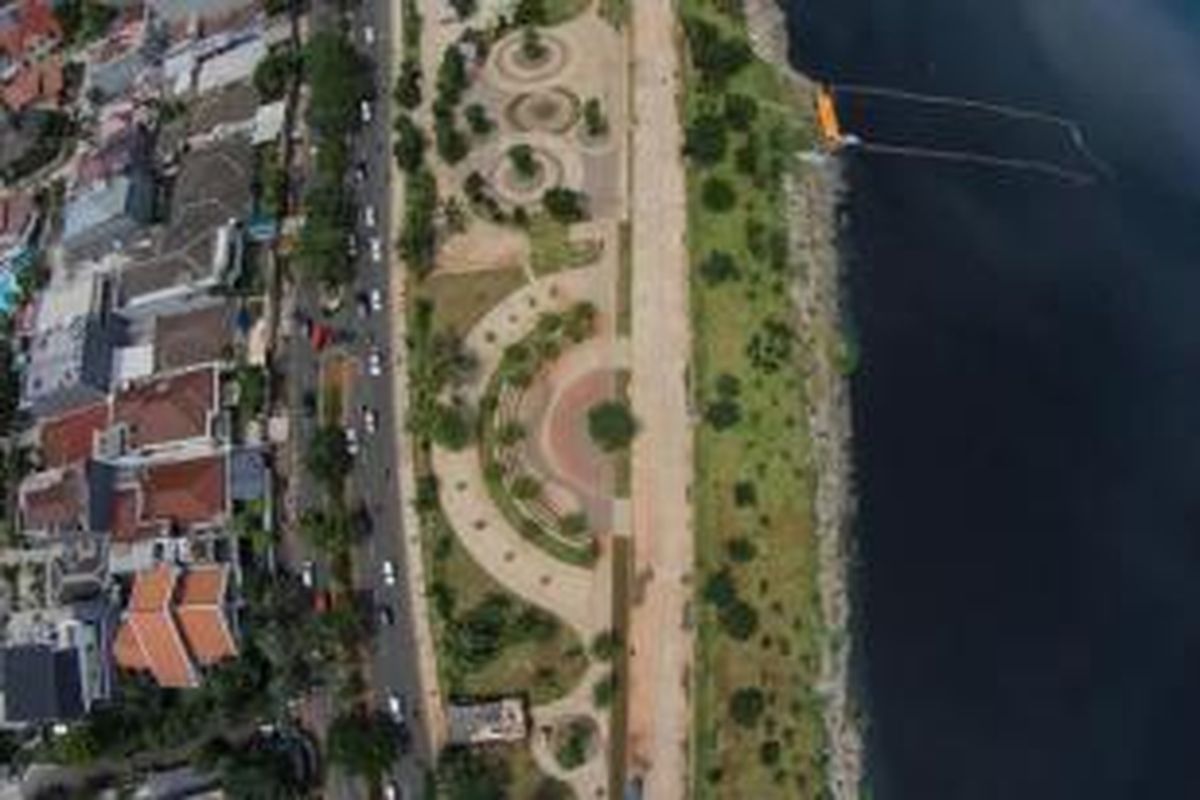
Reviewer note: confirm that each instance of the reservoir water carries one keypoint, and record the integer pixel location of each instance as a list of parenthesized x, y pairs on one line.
[(1027, 410)]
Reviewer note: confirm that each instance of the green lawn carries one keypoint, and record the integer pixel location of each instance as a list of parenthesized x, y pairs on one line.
[(551, 248), (560, 11), (754, 485)]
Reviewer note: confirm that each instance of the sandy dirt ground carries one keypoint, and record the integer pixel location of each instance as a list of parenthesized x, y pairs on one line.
[(662, 455)]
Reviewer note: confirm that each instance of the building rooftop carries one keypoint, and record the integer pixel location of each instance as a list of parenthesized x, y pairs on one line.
[(70, 438), (193, 338), (41, 684), (493, 721), (17, 210), (167, 409), (175, 621), (185, 492)]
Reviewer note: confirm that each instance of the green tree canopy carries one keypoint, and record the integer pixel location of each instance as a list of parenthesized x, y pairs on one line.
[(611, 425), (364, 744)]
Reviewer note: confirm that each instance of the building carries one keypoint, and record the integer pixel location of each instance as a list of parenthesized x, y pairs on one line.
[(502, 720), (204, 336), (108, 215), (69, 364), (164, 411), (31, 71), (177, 622), (171, 500), (65, 500)]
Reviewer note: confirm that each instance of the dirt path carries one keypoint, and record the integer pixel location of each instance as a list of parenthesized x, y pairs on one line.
[(662, 454)]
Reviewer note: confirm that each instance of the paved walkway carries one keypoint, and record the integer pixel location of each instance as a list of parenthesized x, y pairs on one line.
[(662, 454), (589, 780), (580, 596)]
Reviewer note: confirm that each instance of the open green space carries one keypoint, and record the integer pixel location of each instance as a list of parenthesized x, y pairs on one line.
[(551, 247), (460, 300), (759, 621)]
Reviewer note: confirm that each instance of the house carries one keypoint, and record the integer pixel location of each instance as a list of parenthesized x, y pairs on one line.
[(69, 365), (31, 72), (56, 663), (164, 411), (180, 498), (203, 336), (73, 499), (71, 438), (177, 622), (500, 720), (108, 214)]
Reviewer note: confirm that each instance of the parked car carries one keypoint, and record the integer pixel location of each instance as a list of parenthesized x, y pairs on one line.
[(352, 441), (364, 108), (308, 574), (375, 364), (396, 707), (369, 216), (387, 617), (376, 250), (371, 420), (376, 300), (369, 35), (389, 573)]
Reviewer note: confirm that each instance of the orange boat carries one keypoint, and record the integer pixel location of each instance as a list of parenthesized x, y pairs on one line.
[(827, 119)]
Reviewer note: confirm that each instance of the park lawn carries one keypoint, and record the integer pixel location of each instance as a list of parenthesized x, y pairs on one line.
[(769, 451), (560, 11), (543, 671), (462, 299), (551, 248)]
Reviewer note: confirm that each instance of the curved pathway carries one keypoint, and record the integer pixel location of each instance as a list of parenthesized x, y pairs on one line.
[(590, 780)]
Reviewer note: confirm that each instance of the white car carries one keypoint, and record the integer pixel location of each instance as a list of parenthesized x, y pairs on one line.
[(375, 364), (369, 216), (396, 707), (368, 35), (364, 109), (371, 421), (376, 249), (352, 441), (376, 300), (308, 574), (390, 791), (389, 573)]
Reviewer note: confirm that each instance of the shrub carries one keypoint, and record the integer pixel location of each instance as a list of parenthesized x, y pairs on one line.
[(526, 487), (464, 8), (594, 121), (723, 414), (451, 427), (532, 46), (452, 145), (741, 549), (452, 76), (574, 524), (705, 140), (769, 752), (523, 162), (531, 12), (717, 195), (718, 267), (746, 706), (611, 425), (408, 85), (274, 72), (739, 619), (409, 147), (510, 433), (717, 57), (740, 111), (604, 690), (719, 589), (565, 205), (605, 645), (478, 120), (744, 494), (727, 385)]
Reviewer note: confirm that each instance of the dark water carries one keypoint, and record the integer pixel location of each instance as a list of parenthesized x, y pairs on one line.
[(1028, 409)]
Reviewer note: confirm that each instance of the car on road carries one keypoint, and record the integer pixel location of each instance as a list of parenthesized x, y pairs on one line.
[(352, 441), (369, 216), (369, 35), (375, 364), (376, 300), (376, 249), (362, 305), (396, 707), (370, 420), (308, 574), (387, 617), (391, 791), (364, 109), (389, 573), (360, 172)]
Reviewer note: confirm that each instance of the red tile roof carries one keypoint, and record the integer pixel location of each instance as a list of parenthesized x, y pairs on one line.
[(68, 439), (34, 25), (38, 82), (57, 503), (168, 409), (185, 492), (176, 621)]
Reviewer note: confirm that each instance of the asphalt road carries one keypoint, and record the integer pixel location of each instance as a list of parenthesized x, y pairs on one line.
[(394, 668)]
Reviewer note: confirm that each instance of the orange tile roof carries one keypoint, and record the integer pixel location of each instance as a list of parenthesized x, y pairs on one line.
[(176, 620), (168, 409), (185, 492), (68, 439)]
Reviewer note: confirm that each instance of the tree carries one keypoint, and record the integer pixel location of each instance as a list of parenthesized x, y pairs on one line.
[(328, 459), (452, 76), (746, 706), (565, 205), (705, 141), (605, 645), (604, 690), (410, 144), (472, 774), (717, 57), (611, 425), (723, 414), (408, 84), (478, 120), (739, 619), (364, 744), (740, 111), (532, 46), (452, 145), (418, 238), (510, 433), (523, 162), (531, 12), (718, 267), (274, 73), (338, 79), (451, 427), (717, 195), (464, 8), (594, 121), (328, 531)]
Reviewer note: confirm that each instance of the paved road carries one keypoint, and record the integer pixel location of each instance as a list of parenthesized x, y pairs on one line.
[(393, 668)]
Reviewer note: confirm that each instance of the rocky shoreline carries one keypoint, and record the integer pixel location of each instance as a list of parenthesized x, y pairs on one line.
[(813, 189)]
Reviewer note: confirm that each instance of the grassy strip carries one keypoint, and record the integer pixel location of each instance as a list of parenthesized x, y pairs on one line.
[(552, 250), (759, 617), (625, 279), (623, 459), (622, 553), (560, 11)]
